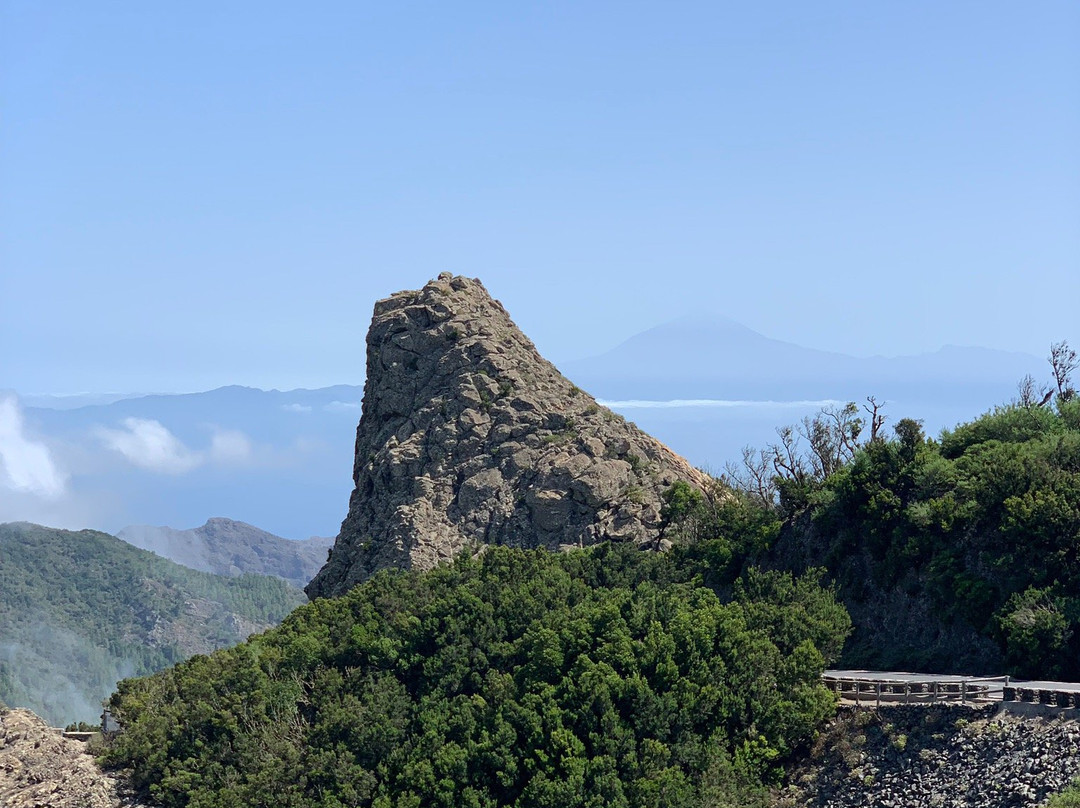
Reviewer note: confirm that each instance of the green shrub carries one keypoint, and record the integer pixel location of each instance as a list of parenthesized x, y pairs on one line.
[(1068, 798), (519, 678)]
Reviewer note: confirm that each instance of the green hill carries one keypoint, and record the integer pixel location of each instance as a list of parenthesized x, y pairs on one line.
[(975, 535), (80, 610), (605, 677), (618, 677), (960, 554)]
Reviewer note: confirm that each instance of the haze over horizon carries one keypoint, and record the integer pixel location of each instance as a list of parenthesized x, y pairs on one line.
[(203, 195), (207, 195), (281, 460), (715, 325)]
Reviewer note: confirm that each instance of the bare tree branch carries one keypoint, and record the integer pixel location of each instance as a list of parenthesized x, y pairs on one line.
[(755, 477), (833, 435), (1063, 360), (877, 418), (787, 460), (1031, 394)]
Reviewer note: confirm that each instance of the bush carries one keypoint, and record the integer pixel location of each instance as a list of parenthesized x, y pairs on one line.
[(1035, 633), (519, 678), (1069, 798)]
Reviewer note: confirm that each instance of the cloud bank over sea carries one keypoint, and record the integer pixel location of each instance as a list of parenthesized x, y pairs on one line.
[(686, 403)]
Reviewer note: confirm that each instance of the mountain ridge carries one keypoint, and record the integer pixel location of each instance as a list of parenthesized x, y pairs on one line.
[(691, 357), (230, 547), (81, 609)]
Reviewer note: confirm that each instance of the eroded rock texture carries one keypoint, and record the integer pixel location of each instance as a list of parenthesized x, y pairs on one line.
[(935, 757), (469, 437), (39, 768)]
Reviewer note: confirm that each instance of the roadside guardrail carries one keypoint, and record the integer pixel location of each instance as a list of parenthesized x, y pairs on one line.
[(874, 688)]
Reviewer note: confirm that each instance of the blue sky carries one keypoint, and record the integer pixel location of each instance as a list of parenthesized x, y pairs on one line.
[(197, 194)]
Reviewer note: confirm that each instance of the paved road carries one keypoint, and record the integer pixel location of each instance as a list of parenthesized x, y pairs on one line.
[(1068, 687), (901, 676)]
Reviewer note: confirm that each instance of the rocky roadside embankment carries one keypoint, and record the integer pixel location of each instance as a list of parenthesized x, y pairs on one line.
[(935, 757), (39, 767)]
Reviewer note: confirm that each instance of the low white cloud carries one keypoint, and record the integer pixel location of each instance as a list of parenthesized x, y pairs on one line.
[(296, 407), (342, 406), (640, 404), (148, 444), (26, 465), (75, 510), (230, 446)]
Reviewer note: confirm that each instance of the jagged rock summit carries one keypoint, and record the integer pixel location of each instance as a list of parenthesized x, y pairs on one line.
[(469, 437)]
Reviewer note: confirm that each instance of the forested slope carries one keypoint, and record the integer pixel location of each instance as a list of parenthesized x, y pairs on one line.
[(620, 677), (80, 610), (980, 531), (604, 677), (956, 554), (227, 547)]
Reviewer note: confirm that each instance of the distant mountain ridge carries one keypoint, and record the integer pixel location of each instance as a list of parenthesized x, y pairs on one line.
[(291, 463), (698, 357), (291, 481), (80, 610), (227, 547)]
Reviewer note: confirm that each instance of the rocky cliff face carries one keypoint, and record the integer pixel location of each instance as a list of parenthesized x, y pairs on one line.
[(469, 437)]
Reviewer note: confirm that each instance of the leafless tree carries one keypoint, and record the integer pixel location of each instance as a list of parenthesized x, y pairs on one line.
[(755, 476), (787, 456), (1031, 394), (833, 435), (877, 418), (1064, 361)]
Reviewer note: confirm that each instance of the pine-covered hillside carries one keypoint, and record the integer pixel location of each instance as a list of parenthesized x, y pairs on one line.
[(80, 610), (955, 554), (604, 677)]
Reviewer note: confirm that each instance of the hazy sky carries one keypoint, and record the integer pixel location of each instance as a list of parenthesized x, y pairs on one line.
[(196, 194)]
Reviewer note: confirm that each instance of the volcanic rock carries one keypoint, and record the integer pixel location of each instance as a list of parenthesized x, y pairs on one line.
[(39, 767), (469, 437), (943, 756)]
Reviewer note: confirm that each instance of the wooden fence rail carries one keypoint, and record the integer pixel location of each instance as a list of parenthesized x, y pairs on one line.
[(876, 690), (873, 690)]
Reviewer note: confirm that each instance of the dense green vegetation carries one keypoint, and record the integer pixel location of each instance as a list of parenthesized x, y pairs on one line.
[(950, 553), (613, 677), (78, 611), (984, 524), (1069, 798), (610, 677)]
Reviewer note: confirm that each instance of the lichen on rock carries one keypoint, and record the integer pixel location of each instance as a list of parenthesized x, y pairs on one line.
[(469, 437)]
